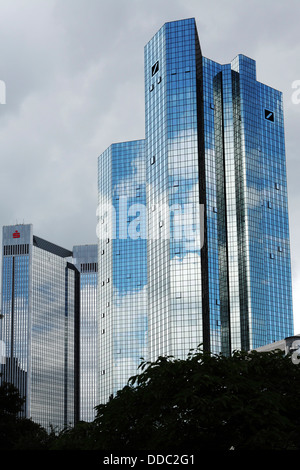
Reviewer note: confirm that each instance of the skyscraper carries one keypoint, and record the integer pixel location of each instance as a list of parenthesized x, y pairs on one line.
[(39, 326), (85, 258), (122, 254), (214, 237)]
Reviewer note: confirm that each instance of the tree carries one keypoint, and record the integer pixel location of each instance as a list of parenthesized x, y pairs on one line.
[(246, 401), (18, 433), (10, 401), (80, 437)]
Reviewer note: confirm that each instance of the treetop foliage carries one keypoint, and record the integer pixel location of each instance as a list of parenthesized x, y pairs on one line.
[(248, 401)]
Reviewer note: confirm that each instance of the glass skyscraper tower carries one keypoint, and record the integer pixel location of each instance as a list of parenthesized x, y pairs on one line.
[(122, 261), (209, 237), (85, 258), (39, 326)]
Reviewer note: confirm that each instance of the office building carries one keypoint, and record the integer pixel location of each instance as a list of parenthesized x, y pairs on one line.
[(122, 274), (39, 326), (289, 345), (215, 248), (85, 258)]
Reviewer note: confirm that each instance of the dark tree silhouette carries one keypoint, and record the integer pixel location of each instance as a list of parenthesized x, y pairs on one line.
[(18, 433), (246, 401), (249, 401)]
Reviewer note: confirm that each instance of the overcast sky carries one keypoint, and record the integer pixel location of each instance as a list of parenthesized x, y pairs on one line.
[(74, 75)]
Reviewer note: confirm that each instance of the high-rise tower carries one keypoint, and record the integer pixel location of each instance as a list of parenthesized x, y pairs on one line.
[(216, 245), (85, 258), (39, 326), (122, 261)]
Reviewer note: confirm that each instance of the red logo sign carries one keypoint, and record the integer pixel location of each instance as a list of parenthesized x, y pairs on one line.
[(16, 234)]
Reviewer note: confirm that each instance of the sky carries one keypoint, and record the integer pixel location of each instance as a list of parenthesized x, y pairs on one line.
[(74, 83)]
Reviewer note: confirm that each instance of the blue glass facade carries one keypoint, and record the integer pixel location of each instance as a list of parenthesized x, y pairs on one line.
[(172, 158), (39, 326), (85, 258), (251, 205), (122, 261), (217, 241)]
